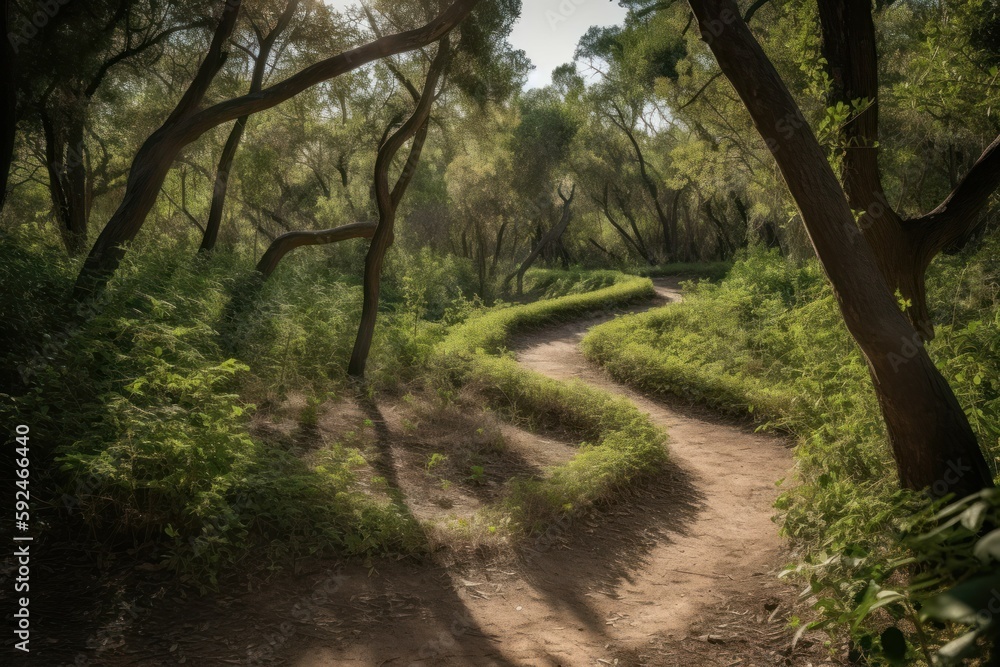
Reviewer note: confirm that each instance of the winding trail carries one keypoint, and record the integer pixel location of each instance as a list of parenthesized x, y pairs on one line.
[(679, 573)]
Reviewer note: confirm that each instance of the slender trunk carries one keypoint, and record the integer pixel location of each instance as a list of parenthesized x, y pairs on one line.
[(932, 442), (67, 173), (186, 123), (647, 179), (388, 202), (222, 171), (552, 236), (607, 252), (631, 244), (265, 45)]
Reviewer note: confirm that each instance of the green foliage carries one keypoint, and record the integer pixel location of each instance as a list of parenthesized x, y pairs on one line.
[(142, 403), (706, 270), (621, 443), (490, 331), (554, 283), (768, 343)]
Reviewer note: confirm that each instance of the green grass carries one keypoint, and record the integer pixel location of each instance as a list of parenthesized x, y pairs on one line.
[(490, 331), (620, 443)]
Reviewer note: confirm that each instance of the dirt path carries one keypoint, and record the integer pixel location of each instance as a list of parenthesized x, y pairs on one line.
[(680, 573)]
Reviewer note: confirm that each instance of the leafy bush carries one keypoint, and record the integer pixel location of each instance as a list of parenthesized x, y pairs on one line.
[(554, 283), (140, 400)]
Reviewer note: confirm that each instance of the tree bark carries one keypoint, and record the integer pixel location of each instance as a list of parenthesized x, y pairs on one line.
[(551, 236), (154, 159), (903, 248), (286, 243), (388, 202), (265, 45), (933, 444), (68, 186)]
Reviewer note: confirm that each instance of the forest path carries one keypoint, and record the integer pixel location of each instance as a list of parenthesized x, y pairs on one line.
[(680, 572)]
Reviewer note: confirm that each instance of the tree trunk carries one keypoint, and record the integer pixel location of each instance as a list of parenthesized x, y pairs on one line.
[(67, 171), (554, 234), (186, 123), (388, 202), (286, 243), (265, 44), (903, 248), (933, 444), (630, 243), (647, 180)]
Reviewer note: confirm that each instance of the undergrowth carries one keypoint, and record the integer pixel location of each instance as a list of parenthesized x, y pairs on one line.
[(768, 344)]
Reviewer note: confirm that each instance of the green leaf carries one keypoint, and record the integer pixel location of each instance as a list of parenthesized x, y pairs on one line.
[(962, 603), (973, 517)]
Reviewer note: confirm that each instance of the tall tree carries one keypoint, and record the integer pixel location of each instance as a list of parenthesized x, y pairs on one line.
[(903, 248), (388, 201), (188, 121), (265, 44), (932, 442)]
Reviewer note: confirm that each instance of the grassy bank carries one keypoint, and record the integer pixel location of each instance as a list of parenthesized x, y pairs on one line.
[(620, 444), (768, 344)]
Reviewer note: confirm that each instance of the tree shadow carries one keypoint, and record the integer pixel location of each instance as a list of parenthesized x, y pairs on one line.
[(597, 550)]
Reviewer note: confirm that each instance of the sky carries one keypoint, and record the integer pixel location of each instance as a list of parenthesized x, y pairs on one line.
[(548, 30)]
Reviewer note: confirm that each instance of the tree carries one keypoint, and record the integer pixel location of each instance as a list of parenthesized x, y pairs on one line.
[(265, 43), (932, 441), (550, 237), (61, 69), (188, 121), (388, 201), (903, 248)]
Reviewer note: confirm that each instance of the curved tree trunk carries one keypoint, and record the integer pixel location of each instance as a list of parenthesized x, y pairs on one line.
[(186, 123), (549, 237), (631, 244), (388, 202), (933, 444), (265, 45), (903, 248), (286, 243)]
